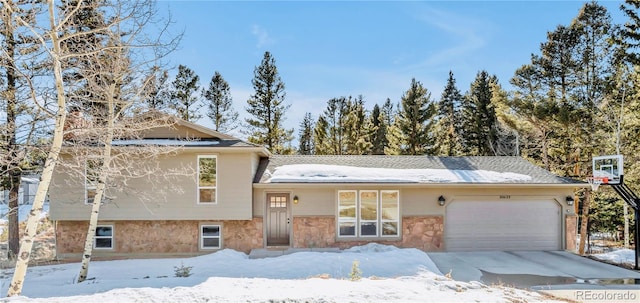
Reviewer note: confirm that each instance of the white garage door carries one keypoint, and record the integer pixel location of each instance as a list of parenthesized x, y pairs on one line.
[(502, 225)]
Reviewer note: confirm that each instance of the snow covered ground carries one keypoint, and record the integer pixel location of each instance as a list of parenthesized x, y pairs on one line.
[(389, 275), (620, 256)]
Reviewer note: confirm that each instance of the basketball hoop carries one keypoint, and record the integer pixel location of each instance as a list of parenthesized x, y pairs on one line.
[(596, 181)]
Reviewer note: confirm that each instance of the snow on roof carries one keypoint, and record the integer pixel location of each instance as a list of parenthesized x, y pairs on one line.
[(30, 180), (166, 142), (338, 174)]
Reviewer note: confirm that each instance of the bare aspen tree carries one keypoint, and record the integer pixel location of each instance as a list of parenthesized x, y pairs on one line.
[(51, 39), (85, 69), (17, 133), (110, 97)]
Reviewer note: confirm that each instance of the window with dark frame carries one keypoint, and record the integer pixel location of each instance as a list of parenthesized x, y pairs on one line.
[(210, 236), (104, 237)]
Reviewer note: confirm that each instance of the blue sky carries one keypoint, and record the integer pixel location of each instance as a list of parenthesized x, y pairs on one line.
[(326, 49)]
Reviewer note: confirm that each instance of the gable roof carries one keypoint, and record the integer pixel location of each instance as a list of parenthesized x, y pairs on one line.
[(405, 169), (169, 130)]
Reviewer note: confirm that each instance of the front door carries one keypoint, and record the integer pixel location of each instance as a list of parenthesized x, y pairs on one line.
[(277, 219)]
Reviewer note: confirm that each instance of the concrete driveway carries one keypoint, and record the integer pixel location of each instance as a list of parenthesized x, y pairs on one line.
[(534, 269)]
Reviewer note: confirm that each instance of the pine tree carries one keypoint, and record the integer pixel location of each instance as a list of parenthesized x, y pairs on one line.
[(379, 137), (305, 136), (388, 112), (393, 133), (320, 138), (449, 123), (358, 129), (184, 98), (337, 131), (267, 108), (629, 36), (532, 114), (507, 141), (415, 121), (480, 132), (155, 89), (220, 106)]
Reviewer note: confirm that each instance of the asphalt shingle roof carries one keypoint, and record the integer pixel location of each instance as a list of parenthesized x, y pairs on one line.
[(498, 164)]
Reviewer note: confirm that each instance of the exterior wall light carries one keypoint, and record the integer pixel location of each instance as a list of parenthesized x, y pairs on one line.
[(570, 200), (441, 201), (295, 200)]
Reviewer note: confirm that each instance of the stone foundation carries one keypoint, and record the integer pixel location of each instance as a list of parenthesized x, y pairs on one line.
[(173, 237), (310, 232), (162, 237), (243, 235), (424, 233), (571, 225)]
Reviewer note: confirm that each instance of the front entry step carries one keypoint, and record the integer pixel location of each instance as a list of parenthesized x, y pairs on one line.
[(276, 252)]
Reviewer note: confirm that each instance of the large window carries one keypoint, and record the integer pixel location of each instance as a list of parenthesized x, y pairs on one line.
[(390, 214), (207, 179), (104, 237), (91, 173), (368, 213), (210, 236), (347, 213)]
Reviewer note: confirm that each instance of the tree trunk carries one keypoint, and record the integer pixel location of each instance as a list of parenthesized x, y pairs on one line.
[(93, 223), (14, 225), (585, 221), (15, 288), (13, 162), (100, 189)]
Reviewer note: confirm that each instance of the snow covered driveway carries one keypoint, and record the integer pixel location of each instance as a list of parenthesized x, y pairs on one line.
[(529, 268)]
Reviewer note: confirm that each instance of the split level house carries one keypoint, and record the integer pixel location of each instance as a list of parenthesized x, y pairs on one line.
[(240, 196)]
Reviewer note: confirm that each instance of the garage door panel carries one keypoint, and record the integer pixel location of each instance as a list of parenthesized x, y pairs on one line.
[(502, 225)]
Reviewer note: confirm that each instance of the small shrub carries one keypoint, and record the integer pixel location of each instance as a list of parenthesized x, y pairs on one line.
[(356, 273), (182, 271)]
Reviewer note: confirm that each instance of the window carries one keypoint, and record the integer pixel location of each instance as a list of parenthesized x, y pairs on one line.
[(91, 178), (390, 214), (207, 178), (210, 237), (347, 213), (104, 237), (368, 213)]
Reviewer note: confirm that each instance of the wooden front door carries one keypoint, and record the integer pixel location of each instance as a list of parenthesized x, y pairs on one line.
[(278, 219)]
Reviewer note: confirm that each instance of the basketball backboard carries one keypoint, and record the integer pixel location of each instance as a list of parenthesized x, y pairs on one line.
[(610, 168)]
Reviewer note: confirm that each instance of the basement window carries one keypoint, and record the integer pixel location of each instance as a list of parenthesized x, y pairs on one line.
[(210, 236), (104, 237)]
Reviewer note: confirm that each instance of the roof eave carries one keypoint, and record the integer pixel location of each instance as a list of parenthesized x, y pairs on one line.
[(426, 185)]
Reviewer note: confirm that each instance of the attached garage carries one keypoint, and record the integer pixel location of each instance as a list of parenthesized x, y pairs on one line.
[(506, 224)]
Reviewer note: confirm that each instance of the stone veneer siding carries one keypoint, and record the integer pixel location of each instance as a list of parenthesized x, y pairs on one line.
[(159, 237), (423, 232), (182, 237), (571, 225)]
